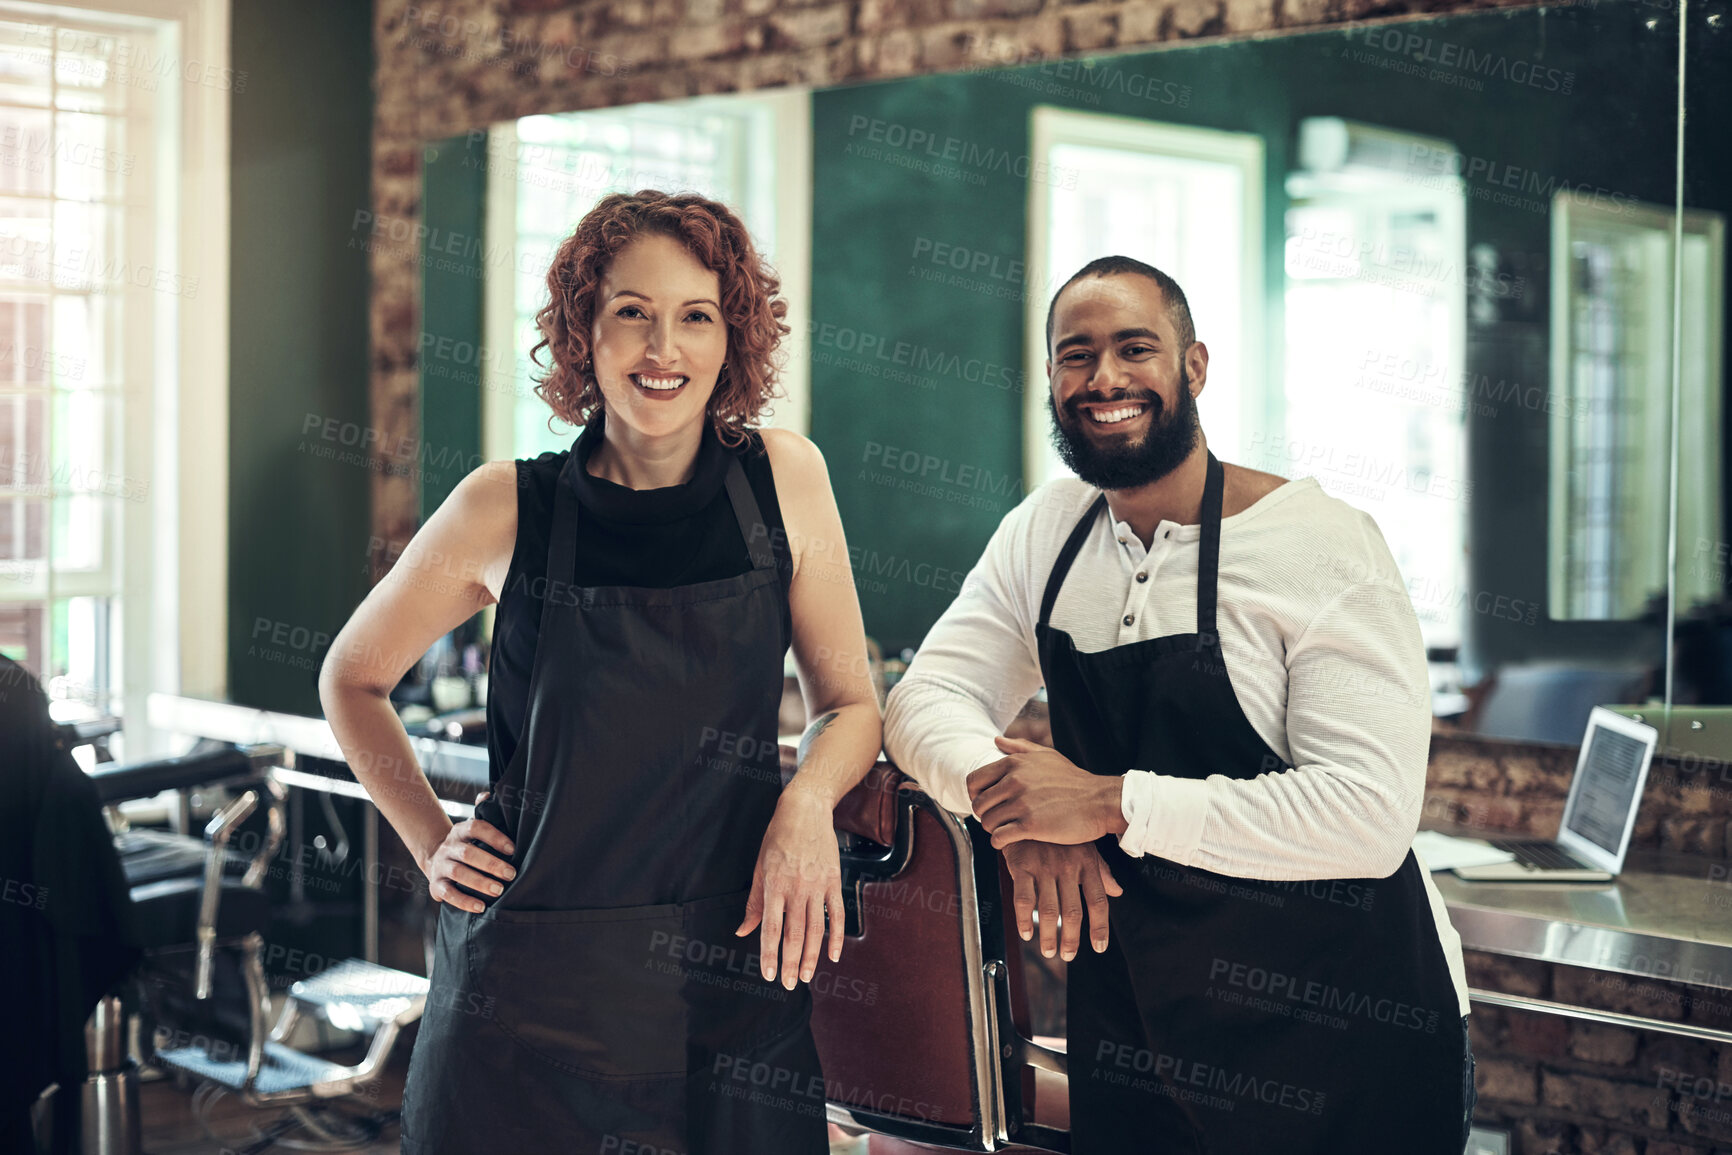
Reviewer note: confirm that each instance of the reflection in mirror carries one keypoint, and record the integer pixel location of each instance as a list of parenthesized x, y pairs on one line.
[(1612, 423), (1423, 275), (1392, 193), (1702, 631)]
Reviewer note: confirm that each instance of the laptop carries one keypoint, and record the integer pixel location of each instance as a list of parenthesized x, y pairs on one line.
[(1599, 814)]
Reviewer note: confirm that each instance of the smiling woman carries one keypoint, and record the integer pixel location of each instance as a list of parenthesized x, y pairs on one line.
[(650, 580)]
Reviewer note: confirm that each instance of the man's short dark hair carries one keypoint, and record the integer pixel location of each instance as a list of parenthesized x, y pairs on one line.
[(1178, 308)]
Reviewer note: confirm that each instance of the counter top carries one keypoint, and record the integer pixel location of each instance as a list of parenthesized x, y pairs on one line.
[(455, 769), (1665, 917)]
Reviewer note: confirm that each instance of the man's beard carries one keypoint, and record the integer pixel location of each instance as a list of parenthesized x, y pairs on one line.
[(1169, 441)]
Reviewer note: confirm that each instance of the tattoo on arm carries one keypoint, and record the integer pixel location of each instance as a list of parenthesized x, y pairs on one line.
[(818, 726)]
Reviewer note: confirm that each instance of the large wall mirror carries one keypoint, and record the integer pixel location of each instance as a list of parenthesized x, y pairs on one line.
[(1433, 261), (1701, 663)]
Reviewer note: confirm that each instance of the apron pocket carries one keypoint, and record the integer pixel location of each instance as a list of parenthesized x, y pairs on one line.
[(589, 991), (734, 1011)]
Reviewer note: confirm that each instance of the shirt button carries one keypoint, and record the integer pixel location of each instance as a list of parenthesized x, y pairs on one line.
[(1130, 618), (1121, 541), (1142, 577)]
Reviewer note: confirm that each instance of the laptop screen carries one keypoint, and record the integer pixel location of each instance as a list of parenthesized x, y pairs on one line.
[(1611, 773)]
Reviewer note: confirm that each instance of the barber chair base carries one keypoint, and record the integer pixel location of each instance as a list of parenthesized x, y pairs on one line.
[(353, 995), (110, 1112), (283, 1070)]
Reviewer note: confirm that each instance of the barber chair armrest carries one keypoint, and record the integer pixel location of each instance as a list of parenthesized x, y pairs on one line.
[(868, 810), (120, 783), (93, 732), (1019, 1048)]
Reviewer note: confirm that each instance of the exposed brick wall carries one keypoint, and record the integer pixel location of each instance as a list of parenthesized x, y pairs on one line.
[(1494, 784), (449, 66), (1569, 1087)]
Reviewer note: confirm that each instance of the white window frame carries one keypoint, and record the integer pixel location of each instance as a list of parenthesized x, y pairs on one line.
[(1050, 126), (176, 542)]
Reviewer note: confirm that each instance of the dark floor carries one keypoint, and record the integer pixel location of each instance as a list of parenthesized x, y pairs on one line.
[(172, 1128)]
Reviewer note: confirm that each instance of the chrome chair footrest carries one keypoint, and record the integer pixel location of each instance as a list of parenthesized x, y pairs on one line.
[(283, 1070), (358, 995)]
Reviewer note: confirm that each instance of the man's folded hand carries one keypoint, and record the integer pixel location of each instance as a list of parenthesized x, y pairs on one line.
[(1036, 792), (1060, 882)]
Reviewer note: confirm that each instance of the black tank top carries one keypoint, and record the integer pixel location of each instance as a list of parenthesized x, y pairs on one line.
[(654, 538)]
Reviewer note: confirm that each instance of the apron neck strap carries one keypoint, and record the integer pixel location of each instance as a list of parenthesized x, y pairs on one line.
[(1209, 548), (562, 540), (753, 529), (1208, 551), (1066, 556)]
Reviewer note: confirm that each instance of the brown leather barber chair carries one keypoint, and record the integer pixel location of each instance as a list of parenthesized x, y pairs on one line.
[(923, 1026)]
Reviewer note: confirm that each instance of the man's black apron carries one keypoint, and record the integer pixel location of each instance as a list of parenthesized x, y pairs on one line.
[(1235, 1016), (603, 1003)]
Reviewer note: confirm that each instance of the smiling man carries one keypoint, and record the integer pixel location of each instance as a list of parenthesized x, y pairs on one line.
[(1240, 711)]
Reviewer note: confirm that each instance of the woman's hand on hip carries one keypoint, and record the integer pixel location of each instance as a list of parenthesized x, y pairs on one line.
[(798, 877), (459, 860)]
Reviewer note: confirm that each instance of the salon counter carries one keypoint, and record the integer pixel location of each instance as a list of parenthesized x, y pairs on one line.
[(1665, 917)]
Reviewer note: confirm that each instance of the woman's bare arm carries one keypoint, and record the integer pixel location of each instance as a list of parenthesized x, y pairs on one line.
[(799, 869), (453, 567), (844, 731)]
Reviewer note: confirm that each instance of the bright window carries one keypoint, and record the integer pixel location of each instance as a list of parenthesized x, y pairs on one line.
[(1374, 390), (91, 288), (1611, 433)]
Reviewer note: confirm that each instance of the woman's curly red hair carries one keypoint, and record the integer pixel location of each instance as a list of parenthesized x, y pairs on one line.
[(714, 235)]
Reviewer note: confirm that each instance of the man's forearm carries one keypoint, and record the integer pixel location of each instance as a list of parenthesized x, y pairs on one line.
[(937, 734), (1109, 803)]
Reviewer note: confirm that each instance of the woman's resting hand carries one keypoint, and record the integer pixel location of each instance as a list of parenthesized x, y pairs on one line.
[(798, 877)]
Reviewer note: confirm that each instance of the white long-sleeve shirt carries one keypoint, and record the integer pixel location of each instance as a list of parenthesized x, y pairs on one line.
[(1321, 645)]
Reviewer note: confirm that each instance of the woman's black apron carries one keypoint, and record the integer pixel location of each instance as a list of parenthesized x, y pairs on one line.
[(1235, 1016), (603, 1003)]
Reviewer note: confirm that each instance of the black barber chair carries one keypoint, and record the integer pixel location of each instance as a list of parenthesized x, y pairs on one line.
[(930, 955), (201, 912)]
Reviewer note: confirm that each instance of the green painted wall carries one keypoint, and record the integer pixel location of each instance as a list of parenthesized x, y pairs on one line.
[(918, 514), (453, 207), (301, 172)]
